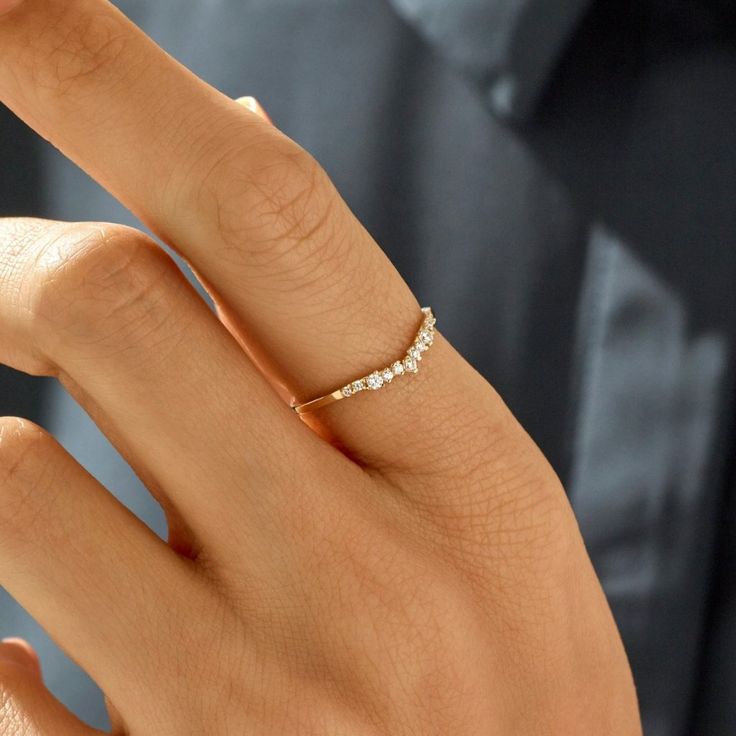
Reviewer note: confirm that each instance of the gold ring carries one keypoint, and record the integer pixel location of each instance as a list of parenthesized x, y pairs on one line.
[(383, 376)]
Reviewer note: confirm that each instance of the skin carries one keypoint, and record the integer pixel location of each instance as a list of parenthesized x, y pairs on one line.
[(403, 562)]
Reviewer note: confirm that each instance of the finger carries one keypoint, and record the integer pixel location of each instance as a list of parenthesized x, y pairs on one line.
[(106, 310), (26, 706), (21, 653), (311, 296), (94, 576)]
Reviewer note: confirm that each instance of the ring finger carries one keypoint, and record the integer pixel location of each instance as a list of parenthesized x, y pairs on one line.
[(310, 295)]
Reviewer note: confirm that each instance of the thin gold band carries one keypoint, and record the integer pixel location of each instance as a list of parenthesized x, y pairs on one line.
[(383, 376)]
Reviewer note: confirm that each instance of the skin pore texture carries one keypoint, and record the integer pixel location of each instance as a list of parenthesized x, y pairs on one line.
[(401, 562)]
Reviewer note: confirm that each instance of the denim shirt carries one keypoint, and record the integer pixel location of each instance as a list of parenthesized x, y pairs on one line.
[(557, 178)]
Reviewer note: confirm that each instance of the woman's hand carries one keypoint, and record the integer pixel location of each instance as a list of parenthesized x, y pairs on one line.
[(401, 562)]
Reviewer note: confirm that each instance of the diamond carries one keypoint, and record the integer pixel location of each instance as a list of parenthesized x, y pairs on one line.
[(410, 364), (374, 381), (398, 368), (387, 375), (415, 352), (426, 337), (346, 391), (421, 347), (357, 386)]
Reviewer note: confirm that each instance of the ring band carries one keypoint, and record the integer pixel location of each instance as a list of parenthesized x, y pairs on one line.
[(383, 376)]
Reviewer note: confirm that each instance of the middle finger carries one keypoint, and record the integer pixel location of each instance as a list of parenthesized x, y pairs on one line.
[(106, 309)]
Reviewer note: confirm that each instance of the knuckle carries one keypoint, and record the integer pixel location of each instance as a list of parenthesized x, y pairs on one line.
[(75, 48), (98, 285), (271, 200)]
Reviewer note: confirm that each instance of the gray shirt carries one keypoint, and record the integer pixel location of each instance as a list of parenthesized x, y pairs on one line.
[(557, 178)]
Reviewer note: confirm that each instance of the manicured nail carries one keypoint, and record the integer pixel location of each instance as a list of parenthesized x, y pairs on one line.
[(7, 5)]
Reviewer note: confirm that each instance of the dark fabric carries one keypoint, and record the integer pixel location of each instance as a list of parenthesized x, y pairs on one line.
[(508, 48), (557, 178)]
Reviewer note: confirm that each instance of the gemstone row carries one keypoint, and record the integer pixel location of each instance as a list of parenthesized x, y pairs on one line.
[(408, 364)]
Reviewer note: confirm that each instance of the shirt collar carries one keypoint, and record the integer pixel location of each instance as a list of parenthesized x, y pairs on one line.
[(509, 47)]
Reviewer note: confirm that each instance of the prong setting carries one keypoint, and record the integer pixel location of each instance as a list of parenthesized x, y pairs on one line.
[(380, 378)]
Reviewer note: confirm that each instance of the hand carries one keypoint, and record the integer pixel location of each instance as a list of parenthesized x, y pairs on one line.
[(401, 562)]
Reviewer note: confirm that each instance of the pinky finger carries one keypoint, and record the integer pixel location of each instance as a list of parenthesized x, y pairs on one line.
[(26, 705)]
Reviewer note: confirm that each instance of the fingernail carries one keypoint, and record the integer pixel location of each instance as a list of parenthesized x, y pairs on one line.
[(254, 106), (7, 5)]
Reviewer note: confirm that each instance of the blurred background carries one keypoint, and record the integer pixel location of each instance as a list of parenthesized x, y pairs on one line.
[(558, 179)]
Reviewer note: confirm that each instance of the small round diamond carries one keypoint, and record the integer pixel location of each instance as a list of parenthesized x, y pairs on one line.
[(398, 368), (357, 386), (426, 337), (421, 347), (374, 381), (410, 364), (346, 391), (387, 375), (415, 352)]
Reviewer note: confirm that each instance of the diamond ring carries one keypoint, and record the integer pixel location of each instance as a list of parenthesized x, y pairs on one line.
[(383, 376)]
